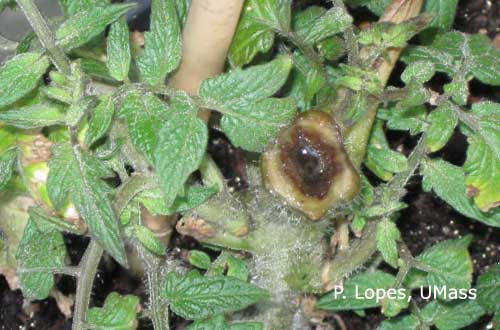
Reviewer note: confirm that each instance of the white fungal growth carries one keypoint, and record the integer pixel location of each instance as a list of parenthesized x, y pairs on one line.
[(289, 250)]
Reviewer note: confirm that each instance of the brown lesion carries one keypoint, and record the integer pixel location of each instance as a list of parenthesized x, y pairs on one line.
[(309, 167), (309, 162)]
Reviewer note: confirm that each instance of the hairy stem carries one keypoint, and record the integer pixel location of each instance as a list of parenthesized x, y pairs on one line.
[(357, 136), (159, 313), (363, 248), (88, 270), (44, 34)]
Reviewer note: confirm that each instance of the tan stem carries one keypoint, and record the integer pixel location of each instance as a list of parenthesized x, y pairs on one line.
[(357, 136), (207, 36)]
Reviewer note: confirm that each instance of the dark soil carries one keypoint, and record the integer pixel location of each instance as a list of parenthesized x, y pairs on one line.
[(426, 221)]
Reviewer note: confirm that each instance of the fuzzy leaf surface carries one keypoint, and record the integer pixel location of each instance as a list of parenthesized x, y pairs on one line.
[(42, 245), (144, 115), (72, 7), (448, 264), (181, 146), (162, 53), (482, 165), (252, 35), (154, 200), (448, 182), (443, 121), (193, 296), (20, 75), (329, 23), (409, 322), (387, 236), (101, 119), (85, 25), (244, 86), (380, 158), (475, 52), (78, 175), (357, 284), (7, 163), (488, 289), (33, 116), (252, 126), (149, 240), (443, 12), (118, 50), (452, 315), (118, 313)]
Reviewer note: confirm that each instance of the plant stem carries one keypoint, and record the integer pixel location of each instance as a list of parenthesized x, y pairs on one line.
[(363, 248), (347, 261), (357, 136), (71, 271), (88, 269), (398, 182), (45, 35), (159, 312)]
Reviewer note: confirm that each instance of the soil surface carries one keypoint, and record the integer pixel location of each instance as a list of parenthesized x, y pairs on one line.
[(426, 217)]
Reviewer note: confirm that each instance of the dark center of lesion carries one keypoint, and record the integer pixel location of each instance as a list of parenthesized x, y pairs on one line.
[(309, 162)]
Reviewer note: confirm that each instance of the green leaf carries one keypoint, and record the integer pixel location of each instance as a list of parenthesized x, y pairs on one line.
[(118, 50), (244, 86), (448, 264), (353, 289), (8, 161), (77, 175), (409, 322), (194, 196), (237, 267), (216, 323), (101, 119), (387, 237), (452, 315), (219, 323), (488, 289), (193, 296), (42, 245), (333, 21), (458, 89), (149, 240), (486, 60), (252, 126), (380, 158), (97, 70), (482, 165), (411, 119), (247, 326), (199, 259), (85, 25), (306, 82), (496, 321), (448, 182), (118, 313), (20, 75), (251, 36), (443, 12), (163, 49), (451, 50), (443, 121), (181, 146), (144, 114), (73, 7), (419, 71), (34, 116)]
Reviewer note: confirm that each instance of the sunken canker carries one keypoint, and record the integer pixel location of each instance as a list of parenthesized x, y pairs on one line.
[(309, 167)]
